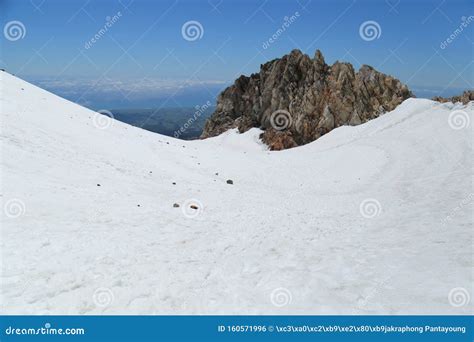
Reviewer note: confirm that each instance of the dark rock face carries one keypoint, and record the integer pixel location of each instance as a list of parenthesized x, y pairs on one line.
[(467, 96), (296, 99)]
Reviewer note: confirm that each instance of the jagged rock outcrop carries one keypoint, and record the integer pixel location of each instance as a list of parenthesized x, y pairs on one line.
[(296, 99), (465, 97)]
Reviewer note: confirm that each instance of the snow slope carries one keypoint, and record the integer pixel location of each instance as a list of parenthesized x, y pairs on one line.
[(373, 219)]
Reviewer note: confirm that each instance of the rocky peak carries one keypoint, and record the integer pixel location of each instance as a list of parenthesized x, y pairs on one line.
[(296, 99), (465, 97), (319, 58)]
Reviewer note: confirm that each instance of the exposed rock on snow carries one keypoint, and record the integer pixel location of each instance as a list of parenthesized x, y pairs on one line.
[(296, 99), (464, 98)]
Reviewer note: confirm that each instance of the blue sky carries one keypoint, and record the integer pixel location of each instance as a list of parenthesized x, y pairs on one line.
[(143, 59)]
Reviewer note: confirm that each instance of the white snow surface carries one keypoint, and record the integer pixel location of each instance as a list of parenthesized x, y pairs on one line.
[(373, 219)]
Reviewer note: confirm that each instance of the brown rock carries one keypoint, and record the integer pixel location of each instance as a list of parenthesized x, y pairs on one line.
[(465, 97), (296, 99), (278, 140)]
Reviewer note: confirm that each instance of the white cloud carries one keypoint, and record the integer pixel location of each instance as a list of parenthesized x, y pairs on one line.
[(130, 88)]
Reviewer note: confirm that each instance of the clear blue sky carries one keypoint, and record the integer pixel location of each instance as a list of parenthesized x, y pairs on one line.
[(144, 50)]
